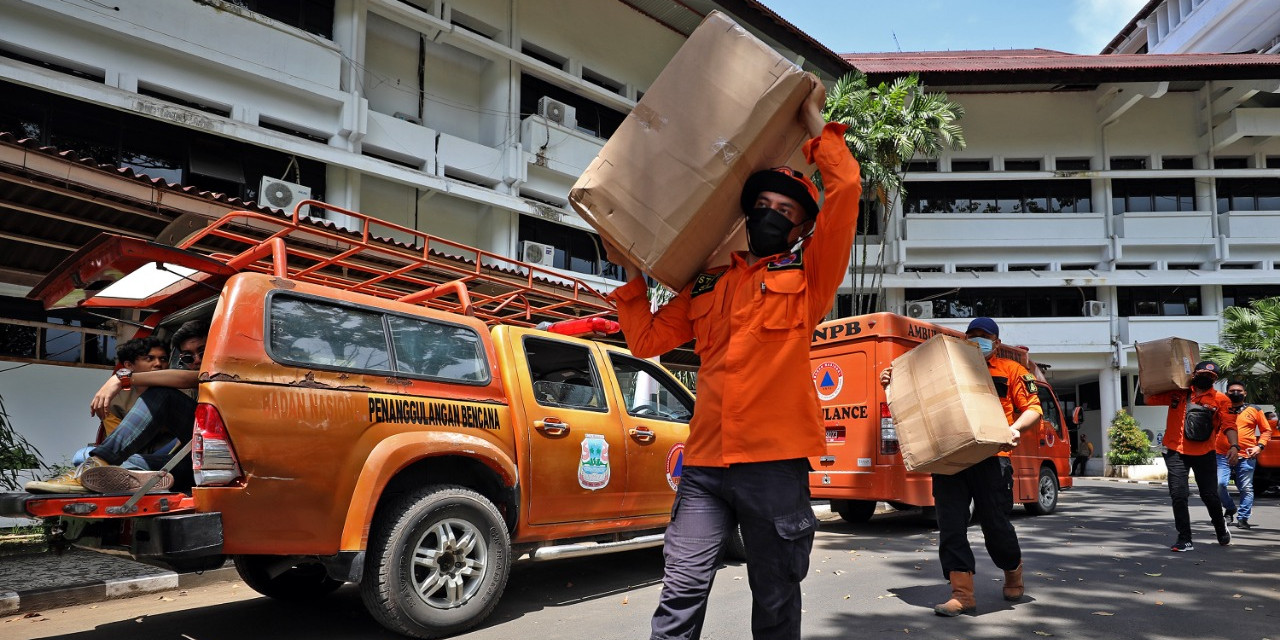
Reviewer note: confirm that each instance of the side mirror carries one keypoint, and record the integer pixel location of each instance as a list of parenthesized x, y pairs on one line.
[(1077, 415)]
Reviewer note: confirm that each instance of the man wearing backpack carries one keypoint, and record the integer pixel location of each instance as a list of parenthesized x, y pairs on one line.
[(1253, 432), (1196, 418)]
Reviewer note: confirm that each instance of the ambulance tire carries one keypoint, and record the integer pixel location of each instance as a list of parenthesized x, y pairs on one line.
[(734, 547), (854, 511), (1047, 490), (447, 540), (291, 579)]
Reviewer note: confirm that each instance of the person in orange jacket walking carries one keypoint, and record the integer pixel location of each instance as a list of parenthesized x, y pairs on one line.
[(757, 417), (1196, 417), (987, 484), (1253, 432)]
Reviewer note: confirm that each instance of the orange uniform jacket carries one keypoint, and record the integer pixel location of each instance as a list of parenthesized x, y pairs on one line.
[(1177, 403), (1016, 388), (753, 323), (1252, 428)]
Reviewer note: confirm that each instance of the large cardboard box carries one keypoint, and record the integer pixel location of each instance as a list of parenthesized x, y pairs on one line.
[(1166, 365), (945, 407), (665, 187)]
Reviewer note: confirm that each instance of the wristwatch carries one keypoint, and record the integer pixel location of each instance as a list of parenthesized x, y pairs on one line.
[(125, 376)]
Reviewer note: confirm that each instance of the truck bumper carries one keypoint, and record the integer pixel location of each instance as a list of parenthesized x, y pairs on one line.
[(180, 536)]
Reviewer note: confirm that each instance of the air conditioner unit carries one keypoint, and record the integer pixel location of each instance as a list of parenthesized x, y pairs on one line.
[(557, 112), (283, 195), (1094, 308), (543, 255), (920, 309)]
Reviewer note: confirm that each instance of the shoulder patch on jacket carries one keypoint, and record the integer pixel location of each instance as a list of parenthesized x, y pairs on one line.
[(792, 261), (1030, 381), (704, 283)]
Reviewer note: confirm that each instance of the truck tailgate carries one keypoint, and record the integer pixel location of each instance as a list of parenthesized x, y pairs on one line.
[(45, 505)]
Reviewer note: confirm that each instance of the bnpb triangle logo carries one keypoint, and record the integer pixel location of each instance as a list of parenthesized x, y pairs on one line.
[(829, 380)]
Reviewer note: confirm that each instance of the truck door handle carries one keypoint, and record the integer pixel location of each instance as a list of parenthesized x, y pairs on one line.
[(551, 426), (643, 434)]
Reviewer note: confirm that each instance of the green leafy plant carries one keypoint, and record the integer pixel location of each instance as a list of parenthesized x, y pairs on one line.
[(1129, 445), (16, 454), (1250, 349), (889, 125)]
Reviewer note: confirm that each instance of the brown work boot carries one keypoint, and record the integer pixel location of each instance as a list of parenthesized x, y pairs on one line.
[(1013, 584), (961, 596), (66, 482)]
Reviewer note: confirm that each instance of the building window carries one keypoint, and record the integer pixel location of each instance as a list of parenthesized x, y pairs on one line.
[(1168, 162), (1011, 302), (1168, 194), (473, 24), (1021, 196), (1243, 295), (600, 80), (1128, 164), (575, 249), (312, 16), (1022, 165), (1233, 162), (870, 213), (920, 165), (28, 333), (543, 55), (970, 165), (1072, 164), (157, 149), (1158, 301), (1248, 194), (593, 117)]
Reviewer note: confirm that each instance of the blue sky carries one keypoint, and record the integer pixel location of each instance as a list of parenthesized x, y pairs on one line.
[(858, 26)]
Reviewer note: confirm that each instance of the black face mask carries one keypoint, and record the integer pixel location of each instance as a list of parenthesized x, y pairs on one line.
[(767, 232), (1236, 397), (1202, 382)]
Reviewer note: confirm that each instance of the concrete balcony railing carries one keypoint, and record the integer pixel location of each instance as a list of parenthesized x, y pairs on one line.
[(1049, 335), (1250, 225), (1202, 329), (558, 148), (1165, 226), (997, 229)]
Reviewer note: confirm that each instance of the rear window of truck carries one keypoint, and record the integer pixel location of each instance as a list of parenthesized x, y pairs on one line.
[(318, 333)]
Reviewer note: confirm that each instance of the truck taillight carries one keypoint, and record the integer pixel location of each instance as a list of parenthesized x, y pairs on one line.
[(888, 432), (212, 457)]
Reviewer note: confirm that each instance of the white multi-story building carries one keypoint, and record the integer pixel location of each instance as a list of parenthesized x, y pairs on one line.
[(1101, 201), (1201, 26), (467, 119)]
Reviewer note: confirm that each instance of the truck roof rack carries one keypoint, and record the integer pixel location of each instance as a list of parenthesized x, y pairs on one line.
[(391, 261)]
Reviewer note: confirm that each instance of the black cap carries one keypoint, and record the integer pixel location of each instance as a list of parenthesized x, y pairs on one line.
[(784, 180)]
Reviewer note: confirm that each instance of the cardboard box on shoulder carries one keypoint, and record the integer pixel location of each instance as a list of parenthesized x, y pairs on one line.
[(1166, 365), (945, 407), (665, 187)]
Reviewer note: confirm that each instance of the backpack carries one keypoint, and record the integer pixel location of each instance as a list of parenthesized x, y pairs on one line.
[(1197, 426)]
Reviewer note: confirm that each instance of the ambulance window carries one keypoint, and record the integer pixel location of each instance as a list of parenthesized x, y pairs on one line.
[(564, 375), (1050, 409), (437, 350), (327, 335), (649, 392)]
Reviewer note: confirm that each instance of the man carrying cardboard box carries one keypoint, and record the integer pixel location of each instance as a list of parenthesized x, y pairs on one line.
[(989, 484), (757, 418), (1196, 417)]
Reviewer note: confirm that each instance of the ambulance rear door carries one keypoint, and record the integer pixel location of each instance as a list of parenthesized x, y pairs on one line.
[(845, 382)]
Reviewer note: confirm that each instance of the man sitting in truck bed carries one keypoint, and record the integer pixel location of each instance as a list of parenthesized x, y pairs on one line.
[(162, 408)]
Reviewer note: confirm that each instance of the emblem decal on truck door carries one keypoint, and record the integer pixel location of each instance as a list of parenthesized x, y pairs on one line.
[(675, 465), (829, 380), (593, 466)]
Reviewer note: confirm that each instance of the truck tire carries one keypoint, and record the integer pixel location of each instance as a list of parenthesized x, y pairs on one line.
[(1047, 490), (854, 511), (437, 562), (198, 564), (281, 578)]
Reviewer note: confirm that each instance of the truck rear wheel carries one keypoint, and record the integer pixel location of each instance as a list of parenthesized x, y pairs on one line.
[(286, 578), (437, 562), (854, 511), (1046, 494)]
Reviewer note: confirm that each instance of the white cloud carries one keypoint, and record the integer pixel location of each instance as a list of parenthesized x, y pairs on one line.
[(1096, 22)]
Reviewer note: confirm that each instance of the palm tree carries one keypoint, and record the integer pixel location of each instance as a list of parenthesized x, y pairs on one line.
[(1250, 349), (888, 126)]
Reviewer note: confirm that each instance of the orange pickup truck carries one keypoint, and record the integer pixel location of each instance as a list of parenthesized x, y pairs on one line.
[(384, 413)]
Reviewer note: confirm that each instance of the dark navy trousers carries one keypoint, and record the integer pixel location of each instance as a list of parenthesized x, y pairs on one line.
[(770, 501), (989, 484)]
